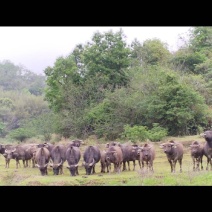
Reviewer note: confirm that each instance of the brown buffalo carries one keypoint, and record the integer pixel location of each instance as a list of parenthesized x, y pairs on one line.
[(104, 163), (114, 155), (2, 151), (129, 153), (174, 152), (197, 152), (19, 152), (147, 155), (208, 147)]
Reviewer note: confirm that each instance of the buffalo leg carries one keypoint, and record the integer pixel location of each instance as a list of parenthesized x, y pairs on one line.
[(170, 162), (201, 163), (133, 165), (119, 167), (128, 163), (124, 166), (61, 169), (151, 166), (17, 162), (208, 159), (94, 169), (77, 172), (193, 163), (139, 162), (198, 161), (142, 162), (180, 162)]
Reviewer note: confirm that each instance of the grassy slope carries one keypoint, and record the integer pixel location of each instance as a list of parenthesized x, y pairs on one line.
[(160, 177)]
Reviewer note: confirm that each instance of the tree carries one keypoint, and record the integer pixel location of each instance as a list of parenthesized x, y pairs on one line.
[(151, 52), (21, 134), (18, 78), (200, 39), (176, 106), (107, 58), (45, 124)]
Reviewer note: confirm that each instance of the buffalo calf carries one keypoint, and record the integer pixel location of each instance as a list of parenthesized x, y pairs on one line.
[(197, 153)]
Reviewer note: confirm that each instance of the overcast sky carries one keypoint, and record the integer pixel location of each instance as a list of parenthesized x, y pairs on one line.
[(36, 48)]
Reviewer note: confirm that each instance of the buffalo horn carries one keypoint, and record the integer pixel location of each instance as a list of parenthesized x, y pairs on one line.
[(46, 165), (37, 165), (92, 163), (60, 163)]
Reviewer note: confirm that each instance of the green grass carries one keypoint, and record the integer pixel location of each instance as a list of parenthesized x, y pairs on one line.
[(162, 175)]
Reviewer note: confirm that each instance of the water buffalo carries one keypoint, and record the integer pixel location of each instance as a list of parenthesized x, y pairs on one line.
[(19, 152), (76, 143), (73, 156), (147, 154), (174, 152), (135, 155), (104, 163), (48, 145), (91, 156), (58, 156), (114, 155), (42, 157), (208, 147), (30, 152), (112, 143), (197, 152), (2, 151), (130, 153)]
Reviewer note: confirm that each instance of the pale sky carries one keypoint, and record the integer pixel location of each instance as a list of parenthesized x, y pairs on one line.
[(36, 48)]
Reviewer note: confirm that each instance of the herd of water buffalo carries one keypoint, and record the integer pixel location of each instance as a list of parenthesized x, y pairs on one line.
[(120, 155)]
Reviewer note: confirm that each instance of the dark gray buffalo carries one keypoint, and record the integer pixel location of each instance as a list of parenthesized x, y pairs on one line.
[(114, 155), (58, 157), (48, 145), (42, 157), (75, 142), (147, 155), (197, 152), (91, 156), (73, 156), (208, 147), (174, 152)]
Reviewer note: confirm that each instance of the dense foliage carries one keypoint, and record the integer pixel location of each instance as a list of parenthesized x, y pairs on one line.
[(104, 85)]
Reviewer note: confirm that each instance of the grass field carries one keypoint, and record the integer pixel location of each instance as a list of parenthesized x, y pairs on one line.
[(162, 175)]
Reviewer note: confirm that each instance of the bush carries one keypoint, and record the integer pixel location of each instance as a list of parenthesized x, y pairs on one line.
[(141, 133), (21, 134), (157, 133)]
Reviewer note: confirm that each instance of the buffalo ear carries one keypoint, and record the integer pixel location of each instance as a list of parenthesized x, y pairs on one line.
[(114, 153), (161, 146)]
